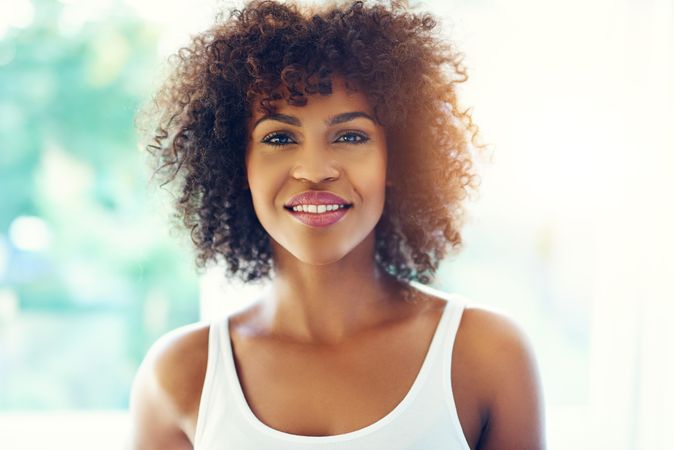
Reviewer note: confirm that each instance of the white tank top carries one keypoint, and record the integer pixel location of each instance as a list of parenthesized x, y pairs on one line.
[(425, 419)]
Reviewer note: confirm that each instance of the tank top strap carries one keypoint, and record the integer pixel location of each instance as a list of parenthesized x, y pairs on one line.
[(458, 304), (449, 323), (212, 384)]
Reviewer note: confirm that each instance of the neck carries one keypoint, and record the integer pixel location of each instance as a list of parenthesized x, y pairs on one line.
[(329, 303)]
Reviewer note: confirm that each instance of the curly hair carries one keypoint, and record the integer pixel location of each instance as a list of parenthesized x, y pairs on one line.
[(268, 52)]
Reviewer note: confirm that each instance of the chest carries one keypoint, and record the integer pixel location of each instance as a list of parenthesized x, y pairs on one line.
[(320, 391), (326, 391)]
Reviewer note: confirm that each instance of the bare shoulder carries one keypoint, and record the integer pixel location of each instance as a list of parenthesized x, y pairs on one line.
[(493, 333), (496, 348), (178, 361), (167, 389)]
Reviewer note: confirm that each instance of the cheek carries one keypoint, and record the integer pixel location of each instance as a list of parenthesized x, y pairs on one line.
[(264, 181), (371, 178), (381, 170)]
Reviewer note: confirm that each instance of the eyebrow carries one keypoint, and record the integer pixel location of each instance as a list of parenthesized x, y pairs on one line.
[(334, 120)]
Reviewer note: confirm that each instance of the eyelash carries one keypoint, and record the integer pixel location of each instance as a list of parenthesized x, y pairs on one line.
[(362, 137), (268, 139)]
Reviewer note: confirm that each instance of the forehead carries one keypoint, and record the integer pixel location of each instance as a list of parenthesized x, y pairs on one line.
[(342, 99)]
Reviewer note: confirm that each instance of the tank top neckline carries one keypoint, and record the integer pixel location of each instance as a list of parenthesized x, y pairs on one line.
[(417, 384)]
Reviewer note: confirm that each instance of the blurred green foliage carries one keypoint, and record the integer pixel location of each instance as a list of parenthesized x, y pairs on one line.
[(78, 313)]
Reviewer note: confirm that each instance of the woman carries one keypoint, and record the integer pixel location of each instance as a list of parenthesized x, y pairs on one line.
[(324, 150)]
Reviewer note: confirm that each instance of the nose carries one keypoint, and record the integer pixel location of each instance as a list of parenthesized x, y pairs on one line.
[(315, 164)]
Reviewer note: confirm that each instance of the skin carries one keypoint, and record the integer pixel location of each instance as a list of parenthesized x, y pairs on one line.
[(333, 328)]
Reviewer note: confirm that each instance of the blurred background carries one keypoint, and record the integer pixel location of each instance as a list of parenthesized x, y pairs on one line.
[(571, 234)]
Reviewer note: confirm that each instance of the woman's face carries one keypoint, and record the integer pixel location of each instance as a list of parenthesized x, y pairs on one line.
[(332, 145)]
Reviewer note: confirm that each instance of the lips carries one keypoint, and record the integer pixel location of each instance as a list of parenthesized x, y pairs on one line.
[(321, 219), (313, 218), (316, 198)]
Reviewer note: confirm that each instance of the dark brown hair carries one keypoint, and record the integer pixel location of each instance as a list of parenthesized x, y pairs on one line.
[(268, 52)]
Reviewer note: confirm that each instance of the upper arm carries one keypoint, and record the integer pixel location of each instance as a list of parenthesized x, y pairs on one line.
[(166, 391), (515, 406)]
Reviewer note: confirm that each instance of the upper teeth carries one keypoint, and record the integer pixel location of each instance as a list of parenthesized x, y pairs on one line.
[(317, 209)]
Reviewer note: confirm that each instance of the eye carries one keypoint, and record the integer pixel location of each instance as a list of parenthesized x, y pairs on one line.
[(353, 137), (278, 138)]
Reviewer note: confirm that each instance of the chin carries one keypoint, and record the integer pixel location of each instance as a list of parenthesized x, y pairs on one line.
[(318, 258), (319, 250)]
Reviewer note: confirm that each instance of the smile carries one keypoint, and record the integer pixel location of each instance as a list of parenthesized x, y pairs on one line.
[(317, 209), (318, 215)]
